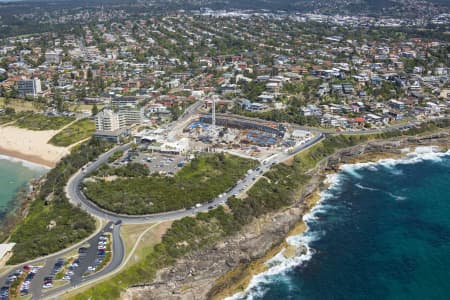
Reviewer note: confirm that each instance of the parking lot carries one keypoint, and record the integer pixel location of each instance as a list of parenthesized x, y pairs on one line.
[(167, 164), (51, 273)]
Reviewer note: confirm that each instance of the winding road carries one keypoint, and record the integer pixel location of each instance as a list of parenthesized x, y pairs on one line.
[(77, 198)]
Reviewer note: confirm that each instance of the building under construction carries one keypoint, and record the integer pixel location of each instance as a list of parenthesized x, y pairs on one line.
[(245, 123)]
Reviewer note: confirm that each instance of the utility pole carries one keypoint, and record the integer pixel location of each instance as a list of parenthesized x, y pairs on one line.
[(213, 121)]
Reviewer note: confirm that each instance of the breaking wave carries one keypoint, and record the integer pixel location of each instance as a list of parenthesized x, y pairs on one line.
[(360, 186), (279, 264), (25, 163), (396, 197), (420, 154)]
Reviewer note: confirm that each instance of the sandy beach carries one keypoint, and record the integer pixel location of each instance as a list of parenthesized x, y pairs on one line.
[(30, 145)]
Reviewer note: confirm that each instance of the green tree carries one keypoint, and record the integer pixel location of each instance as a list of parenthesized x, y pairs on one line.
[(89, 75), (94, 110)]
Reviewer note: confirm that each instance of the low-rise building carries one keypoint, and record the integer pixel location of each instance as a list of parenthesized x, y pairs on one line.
[(121, 102), (396, 104)]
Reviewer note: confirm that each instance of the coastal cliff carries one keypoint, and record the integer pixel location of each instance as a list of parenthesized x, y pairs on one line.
[(206, 274)]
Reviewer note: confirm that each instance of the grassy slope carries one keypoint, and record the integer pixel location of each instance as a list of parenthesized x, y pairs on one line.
[(192, 233), (41, 122), (6, 118), (19, 104), (200, 181), (32, 236), (76, 132)]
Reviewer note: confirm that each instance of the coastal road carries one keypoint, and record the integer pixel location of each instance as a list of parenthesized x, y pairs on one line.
[(118, 256), (47, 263), (76, 196)]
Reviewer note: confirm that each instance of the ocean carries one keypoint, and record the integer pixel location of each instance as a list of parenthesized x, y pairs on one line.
[(380, 231), (15, 175)]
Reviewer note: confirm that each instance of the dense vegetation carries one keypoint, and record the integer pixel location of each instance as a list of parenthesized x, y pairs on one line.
[(128, 170), (10, 115), (201, 180), (76, 132), (281, 186), (41, 122), (34, 237), (116, 155)]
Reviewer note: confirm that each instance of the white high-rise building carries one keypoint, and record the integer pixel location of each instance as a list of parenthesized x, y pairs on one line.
[(108, 120), (132, 116)]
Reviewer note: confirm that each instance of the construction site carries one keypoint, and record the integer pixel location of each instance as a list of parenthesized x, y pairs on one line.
[(211, 132)]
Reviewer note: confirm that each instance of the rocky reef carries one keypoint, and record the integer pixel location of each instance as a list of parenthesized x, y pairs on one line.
[(195, 276)]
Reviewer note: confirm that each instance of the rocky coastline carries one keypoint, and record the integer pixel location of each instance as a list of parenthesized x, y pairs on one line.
[(21, 205), (221, 270)]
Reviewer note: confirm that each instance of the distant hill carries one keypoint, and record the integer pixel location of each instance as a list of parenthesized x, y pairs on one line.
[(394, 8), (406, 8)]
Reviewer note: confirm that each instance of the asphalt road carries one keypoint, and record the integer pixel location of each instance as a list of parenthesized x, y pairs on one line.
[(118, 251), (48, 263), (77, 198)]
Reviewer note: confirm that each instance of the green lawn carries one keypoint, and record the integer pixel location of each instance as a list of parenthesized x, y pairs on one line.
[(76, 132), (41, 122), (200, 181)]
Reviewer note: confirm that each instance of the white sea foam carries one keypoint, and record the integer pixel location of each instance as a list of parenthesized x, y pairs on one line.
[(429, 153), (351, 171), (362, 187), (396, 172), (396, 197), (373, 168), (279, 265), (25, 163)]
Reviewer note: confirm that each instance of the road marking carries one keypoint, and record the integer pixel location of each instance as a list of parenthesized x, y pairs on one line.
[(113, 272)]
